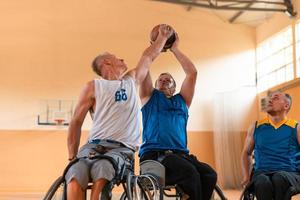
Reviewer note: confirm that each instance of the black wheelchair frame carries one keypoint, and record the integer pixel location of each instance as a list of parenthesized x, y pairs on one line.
[(248, 192), (157, 171)]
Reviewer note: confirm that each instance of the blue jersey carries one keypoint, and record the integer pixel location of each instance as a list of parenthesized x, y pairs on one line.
[(164, 123), (276, 148)]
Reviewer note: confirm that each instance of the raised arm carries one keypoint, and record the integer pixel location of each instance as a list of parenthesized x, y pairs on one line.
[(150, 53), (188, 86), (146, 89), (85, 103), (247, 155)]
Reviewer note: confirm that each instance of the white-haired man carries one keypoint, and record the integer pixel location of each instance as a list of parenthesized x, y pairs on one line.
[(113, 103), (275, 143)]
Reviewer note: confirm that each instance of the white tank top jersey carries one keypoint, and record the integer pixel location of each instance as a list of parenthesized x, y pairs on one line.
[(116, 115)]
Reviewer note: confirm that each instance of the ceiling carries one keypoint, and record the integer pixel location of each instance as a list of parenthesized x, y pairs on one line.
[(250, 12)]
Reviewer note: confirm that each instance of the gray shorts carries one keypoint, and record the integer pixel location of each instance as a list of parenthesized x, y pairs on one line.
[(90, 170)]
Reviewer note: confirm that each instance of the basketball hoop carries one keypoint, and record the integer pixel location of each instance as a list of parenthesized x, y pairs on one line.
[(55, 113), (59, 117), (59, 122)]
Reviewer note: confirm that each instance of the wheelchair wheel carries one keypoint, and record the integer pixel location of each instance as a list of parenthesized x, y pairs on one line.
[(150, 188), (56, 191), (123, 196), (106, 193), (219, 193), (133, 191)]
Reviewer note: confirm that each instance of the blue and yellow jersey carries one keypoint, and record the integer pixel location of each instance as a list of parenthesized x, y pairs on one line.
[(276, 146)]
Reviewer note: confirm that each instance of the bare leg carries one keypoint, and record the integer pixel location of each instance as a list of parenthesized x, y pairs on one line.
[(75, 191), (97, 188)]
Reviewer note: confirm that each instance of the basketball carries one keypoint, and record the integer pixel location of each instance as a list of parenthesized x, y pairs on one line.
[(169, 42)]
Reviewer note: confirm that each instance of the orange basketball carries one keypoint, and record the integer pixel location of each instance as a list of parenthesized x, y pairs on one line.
[(169, 42)]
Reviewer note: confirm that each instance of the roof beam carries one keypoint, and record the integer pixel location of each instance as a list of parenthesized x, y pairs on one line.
[(238, 14), (284, 6)]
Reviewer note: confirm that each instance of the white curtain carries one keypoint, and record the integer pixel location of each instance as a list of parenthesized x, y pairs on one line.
[(230, 111)]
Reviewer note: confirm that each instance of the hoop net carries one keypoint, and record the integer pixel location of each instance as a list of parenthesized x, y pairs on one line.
[(59, 117)]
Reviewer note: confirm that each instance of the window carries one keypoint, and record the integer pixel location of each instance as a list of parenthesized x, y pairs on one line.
[(298, 48), (274, 60)]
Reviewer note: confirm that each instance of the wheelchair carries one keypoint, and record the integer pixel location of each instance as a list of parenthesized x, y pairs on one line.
[(152, 177), (149, 185), (248, 192), (58, 190)]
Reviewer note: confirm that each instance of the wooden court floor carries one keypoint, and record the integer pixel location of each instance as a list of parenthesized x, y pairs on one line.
[(230, 194)]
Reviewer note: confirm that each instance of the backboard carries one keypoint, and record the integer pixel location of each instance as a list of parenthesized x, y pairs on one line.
[(55, 112)]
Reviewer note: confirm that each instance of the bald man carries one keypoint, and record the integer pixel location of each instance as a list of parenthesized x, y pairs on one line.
[(165, 116)]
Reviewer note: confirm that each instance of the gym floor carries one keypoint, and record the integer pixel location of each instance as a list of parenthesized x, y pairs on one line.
[(230, 194)]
